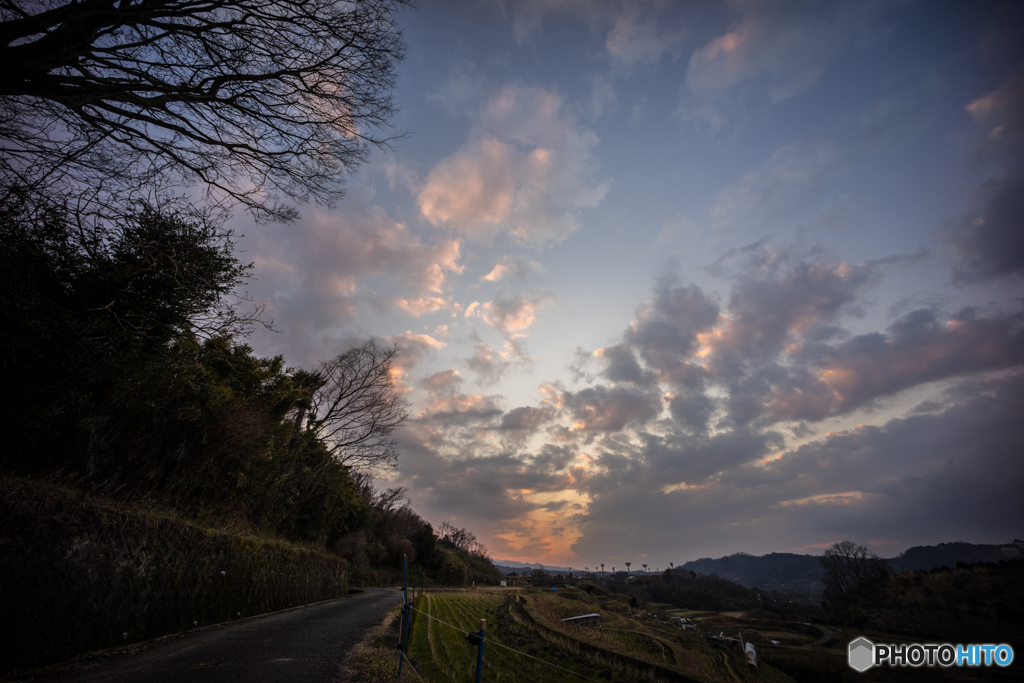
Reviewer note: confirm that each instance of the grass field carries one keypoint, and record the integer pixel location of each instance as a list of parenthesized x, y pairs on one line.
[(525, 638), (440, 652)]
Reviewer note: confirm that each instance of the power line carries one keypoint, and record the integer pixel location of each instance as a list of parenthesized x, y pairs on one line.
[(430, 616), (575, 673), (412, 667)]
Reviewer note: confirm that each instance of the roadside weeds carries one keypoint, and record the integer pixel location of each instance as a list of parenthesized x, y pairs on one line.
[(374, 659)]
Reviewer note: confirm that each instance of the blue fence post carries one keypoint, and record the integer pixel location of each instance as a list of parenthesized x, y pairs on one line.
[(480, 650), (403, 635)]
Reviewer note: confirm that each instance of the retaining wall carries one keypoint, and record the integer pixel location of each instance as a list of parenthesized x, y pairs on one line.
[(78, 575)]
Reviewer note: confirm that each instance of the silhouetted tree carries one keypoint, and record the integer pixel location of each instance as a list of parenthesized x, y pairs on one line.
[(462, 539), (357, 407), (848, 566), (255, 101)]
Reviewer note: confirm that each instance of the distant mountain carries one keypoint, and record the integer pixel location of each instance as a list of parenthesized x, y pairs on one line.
[(787, 572), (948, 554), (509, 566), (802, 573)]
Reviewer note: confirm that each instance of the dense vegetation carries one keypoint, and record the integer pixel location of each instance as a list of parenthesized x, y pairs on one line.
[(689, 590), (981, 602), (129, 377)]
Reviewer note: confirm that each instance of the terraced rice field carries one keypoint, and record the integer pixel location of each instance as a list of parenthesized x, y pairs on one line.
[(525, 637), (439, 650)]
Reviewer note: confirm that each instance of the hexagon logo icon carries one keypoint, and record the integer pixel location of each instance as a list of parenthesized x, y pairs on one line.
[(862, 654)]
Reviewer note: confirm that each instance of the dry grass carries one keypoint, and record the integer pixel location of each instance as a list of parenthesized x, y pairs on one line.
[(375, 659)]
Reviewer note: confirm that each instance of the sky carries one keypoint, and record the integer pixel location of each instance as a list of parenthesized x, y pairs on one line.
[(675, 280)]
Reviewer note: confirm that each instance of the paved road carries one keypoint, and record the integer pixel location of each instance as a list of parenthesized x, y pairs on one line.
[(304, 645), (826, 635)]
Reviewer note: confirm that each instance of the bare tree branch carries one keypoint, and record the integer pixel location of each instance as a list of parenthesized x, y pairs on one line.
[(461, 538), (357, 408), (846, 566), (258, 102)]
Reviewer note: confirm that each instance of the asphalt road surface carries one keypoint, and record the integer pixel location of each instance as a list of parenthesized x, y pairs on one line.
[(304, 645)]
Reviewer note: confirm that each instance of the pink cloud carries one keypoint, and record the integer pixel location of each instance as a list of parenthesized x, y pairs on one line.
[(414, 348), (918, 349), (773, 51), (525, 172), (512, 266), (512, 316)]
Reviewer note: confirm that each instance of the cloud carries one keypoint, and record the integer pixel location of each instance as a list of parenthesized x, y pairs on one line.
[(773, 51), (781, 300), (602, 408), (413, 347), (473, 189), (420, 305), (486, 363), (602, 97), (462, 86), (692, 461), (639, 35), (918, 349), (400, 173), (692, 408), (989, 239), (490, 365), (737, 380), (527, 418), (621, 365), (462, 409), (778, 350), (317, 276), (666, 328), (1001, 112), (796, 175), (513, 315), (926, 478), (526, 172), (462, 458), (481, 487), (638, 31), (516, 267), (444, 383)]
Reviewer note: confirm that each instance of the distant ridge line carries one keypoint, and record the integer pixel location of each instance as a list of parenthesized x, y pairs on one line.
[(792, 572)]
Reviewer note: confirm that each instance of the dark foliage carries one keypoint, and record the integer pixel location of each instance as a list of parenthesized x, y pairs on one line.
[(847, 567), (393, 530), (82, 309), (128, 377), (981, 602), (121, 341), (120, 346)]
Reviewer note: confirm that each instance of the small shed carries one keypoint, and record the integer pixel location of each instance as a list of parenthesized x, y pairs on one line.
[(751, 654), (583, 620)]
